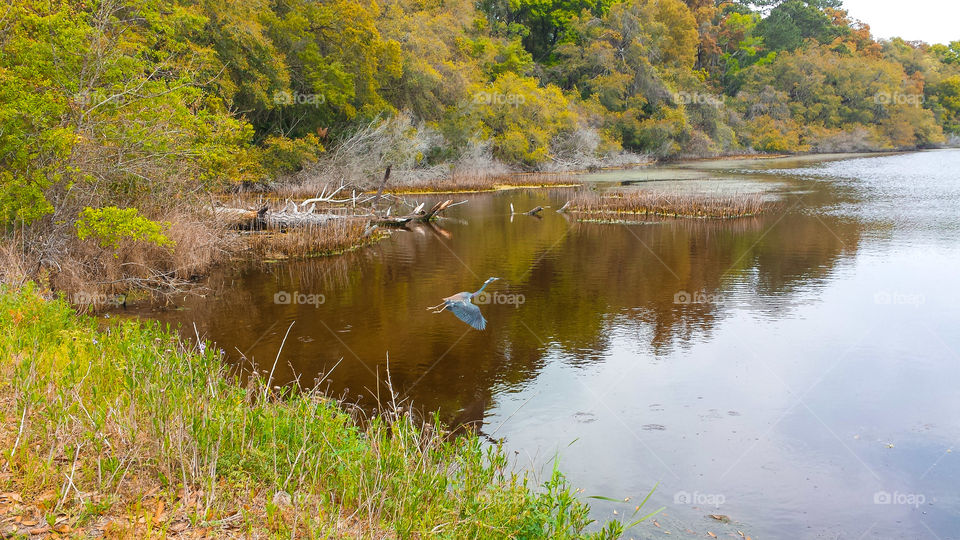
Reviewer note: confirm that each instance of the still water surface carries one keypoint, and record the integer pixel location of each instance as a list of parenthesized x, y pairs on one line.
[(798, 372)]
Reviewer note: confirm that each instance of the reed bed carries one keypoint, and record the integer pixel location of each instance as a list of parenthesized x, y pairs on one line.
[(673, 205), (129, 431), (334, 237), (479, 181)]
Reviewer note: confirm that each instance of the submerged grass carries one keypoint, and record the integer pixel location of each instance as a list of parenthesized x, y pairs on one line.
[(127, 431), (680, 205)]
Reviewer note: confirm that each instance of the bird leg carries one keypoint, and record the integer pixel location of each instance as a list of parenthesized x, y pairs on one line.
[(438, 308)]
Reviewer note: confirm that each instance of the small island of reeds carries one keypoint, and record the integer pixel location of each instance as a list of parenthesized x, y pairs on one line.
[(616, 204)]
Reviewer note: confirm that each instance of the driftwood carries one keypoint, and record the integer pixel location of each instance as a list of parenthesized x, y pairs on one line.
[(418, 214), (302, 215), (291, 217), (235, 217), (535, 212), (241, 218), (383, 184), (286, 220)]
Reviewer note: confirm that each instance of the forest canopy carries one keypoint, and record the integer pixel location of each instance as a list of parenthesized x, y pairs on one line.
[(108, 100)]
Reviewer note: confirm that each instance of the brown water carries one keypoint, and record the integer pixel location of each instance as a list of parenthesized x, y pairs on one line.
[(807, 389)]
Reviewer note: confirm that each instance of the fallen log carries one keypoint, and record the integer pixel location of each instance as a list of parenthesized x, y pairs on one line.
[(534, 211), (286, 220), (290, 217), (436, 209), (395, 221), (418, 215), (235, 217), (241, 218)]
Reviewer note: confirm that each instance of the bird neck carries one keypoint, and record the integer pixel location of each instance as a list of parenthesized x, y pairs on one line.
[(485, 283)]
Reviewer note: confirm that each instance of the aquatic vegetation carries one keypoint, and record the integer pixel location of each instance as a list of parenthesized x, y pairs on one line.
[(130, 430), (677, 205)]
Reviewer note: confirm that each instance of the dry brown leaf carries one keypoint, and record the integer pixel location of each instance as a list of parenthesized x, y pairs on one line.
[(28, 522), (40, 530), (711, 534), (721, 517), (159, 512), (64, 529), (655, 524), (15, 497)]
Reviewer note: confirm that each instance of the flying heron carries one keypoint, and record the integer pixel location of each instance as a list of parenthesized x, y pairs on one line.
[(460, 305)]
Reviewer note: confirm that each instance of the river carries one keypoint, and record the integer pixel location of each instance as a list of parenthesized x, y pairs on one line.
[(798, 372)]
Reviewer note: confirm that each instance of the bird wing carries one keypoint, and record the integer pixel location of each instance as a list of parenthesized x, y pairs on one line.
[(469, 313), (459, 297)]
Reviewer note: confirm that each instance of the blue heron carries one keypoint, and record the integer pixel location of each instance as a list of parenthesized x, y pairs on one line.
[(460, 305)]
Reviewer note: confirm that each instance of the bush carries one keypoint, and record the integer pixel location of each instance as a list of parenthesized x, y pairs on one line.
[(111, 225)]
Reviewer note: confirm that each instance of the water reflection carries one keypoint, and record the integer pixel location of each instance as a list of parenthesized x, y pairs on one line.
[(577, 281)]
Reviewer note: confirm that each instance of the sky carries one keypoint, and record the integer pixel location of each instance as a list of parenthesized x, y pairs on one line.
[(933, 21)]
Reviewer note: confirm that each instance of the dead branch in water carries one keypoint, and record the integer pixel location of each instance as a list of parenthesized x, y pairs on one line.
[(307, 213)]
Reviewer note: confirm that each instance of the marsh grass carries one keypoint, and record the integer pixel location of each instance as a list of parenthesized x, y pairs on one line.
[(335, 237), (480, 181), (127, 430), (672, 205), (87, 271)]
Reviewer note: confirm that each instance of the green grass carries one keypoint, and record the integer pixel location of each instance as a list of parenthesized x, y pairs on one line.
[(128, 430)]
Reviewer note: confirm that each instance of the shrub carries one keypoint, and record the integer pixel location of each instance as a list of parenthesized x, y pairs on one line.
[(111, 225)]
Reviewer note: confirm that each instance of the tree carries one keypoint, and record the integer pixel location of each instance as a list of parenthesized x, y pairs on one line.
[(793, 21)]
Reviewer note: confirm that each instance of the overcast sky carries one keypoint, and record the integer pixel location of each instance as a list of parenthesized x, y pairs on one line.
[(933, 21)]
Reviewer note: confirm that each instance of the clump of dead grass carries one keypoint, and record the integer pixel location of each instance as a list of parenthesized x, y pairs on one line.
[(479, 181), (334, 237), (676, 205)]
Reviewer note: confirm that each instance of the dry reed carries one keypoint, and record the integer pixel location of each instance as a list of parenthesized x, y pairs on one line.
[(336, 236), (677, 205), (478, 180)]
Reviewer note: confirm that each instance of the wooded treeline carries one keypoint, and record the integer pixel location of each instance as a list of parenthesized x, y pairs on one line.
[(115, 104)]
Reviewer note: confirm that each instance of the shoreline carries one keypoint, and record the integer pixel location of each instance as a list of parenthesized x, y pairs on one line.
[(155, 436)]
